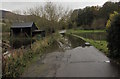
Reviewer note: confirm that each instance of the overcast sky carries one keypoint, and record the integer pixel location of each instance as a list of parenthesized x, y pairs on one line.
[(71, 4)]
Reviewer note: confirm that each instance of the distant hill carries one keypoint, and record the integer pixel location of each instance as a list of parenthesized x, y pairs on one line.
[(12, 16), (6, 13)]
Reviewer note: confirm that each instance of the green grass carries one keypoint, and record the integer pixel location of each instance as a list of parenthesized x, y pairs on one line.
[(101, 45), (84, 31)]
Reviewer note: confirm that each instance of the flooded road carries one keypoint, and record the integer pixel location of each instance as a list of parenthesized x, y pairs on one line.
[(76, 60)]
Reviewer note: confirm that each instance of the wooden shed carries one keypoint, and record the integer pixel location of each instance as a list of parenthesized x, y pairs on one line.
[(24, 31)]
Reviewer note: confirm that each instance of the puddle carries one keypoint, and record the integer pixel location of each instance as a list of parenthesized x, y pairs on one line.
[(107, 61)]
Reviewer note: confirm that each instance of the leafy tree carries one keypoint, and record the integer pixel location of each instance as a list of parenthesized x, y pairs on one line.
[(98, 23), (108, 7), (94, 17), (110, 19), (113, 35)]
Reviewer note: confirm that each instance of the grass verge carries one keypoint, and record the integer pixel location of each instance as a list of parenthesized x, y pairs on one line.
[(100, 45), (84, 31)]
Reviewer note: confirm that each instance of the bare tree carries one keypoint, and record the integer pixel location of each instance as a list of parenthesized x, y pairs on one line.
[(17, 12), (49, 15)]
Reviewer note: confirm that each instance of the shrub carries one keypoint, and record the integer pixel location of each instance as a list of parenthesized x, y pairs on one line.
[(113, 35), (14, 65)]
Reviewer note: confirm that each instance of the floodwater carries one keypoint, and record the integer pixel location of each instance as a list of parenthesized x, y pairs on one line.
[(73, 59)]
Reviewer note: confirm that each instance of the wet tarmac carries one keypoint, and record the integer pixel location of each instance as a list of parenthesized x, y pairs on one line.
[(76, 61)]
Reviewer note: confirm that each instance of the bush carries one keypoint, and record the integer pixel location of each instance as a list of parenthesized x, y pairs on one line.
[(113, 36), (14, 65), (19, 42)]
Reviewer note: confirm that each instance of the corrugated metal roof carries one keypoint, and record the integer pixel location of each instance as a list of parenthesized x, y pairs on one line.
[(22, 25)]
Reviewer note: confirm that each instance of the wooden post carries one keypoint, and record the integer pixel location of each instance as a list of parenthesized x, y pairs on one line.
[(20, 37), (11, 36), (31, 37)]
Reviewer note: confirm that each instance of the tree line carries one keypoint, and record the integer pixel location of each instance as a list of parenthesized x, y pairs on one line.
[(52, 17), (49, 17), (94, 17)]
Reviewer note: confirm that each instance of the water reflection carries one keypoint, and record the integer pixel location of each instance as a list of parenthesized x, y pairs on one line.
[(94, 36), (75, 42)]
